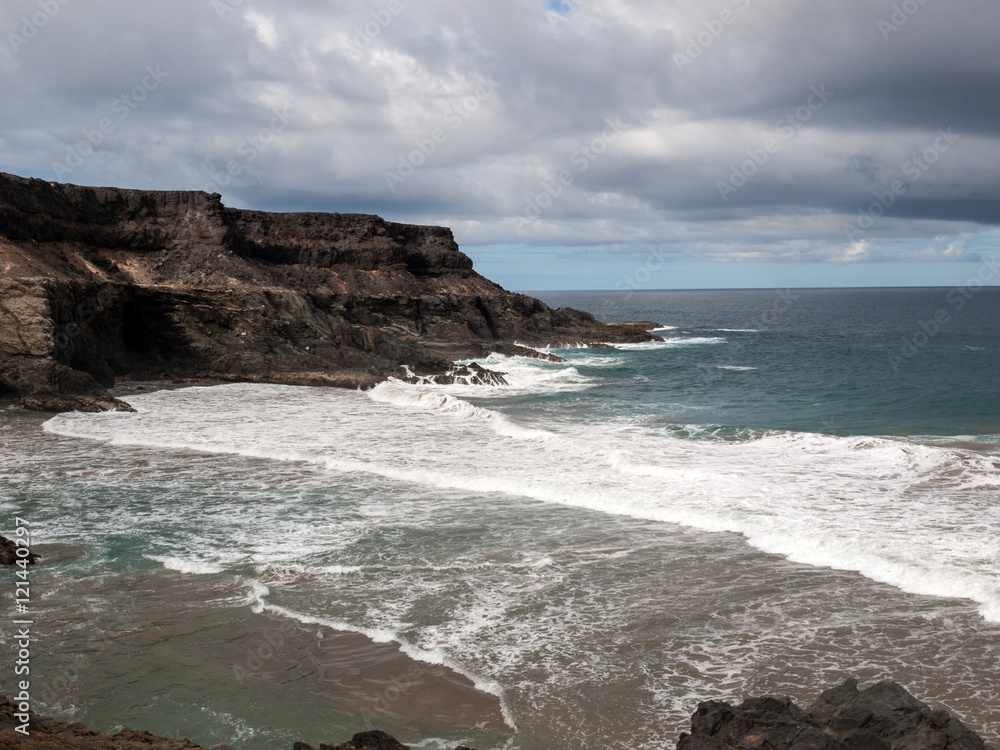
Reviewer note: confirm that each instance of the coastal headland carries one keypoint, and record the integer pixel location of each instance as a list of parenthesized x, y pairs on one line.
[(98, 284)]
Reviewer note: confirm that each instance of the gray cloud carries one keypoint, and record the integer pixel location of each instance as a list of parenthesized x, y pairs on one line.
[(296, 105)]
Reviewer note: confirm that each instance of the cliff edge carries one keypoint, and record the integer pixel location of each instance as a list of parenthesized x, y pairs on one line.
[(99, 283)]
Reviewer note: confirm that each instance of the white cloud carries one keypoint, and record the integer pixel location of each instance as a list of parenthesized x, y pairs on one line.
[(368, 85)]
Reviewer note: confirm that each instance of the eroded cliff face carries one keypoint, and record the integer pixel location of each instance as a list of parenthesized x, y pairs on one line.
[(99, 283)]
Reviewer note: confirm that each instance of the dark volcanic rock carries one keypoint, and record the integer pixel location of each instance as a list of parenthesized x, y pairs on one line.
[(51, 734), (8, 553), (448, 373), (883, 717), (99, 283), (372, 740)]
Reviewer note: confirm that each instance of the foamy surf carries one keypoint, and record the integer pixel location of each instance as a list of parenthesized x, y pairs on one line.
[(187, 565), (671, 343), (258, 594), (405, 395), (913, 516)]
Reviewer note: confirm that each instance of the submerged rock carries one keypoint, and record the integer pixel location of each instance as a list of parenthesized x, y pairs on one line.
[(883, 717), (8, 553), (103, 283)]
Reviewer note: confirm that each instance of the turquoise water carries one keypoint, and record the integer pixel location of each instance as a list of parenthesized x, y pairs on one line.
[(765, 502), (841, 362)]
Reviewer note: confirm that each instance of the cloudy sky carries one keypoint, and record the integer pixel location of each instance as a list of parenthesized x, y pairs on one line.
[(570, 144)]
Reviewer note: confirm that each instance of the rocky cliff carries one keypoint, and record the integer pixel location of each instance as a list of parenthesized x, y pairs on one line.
[(99, 283)]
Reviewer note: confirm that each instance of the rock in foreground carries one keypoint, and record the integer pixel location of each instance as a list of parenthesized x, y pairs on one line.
[(883, 717), (374, 740), (44, 733)]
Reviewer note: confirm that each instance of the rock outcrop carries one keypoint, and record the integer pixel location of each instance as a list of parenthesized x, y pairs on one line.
[(44, 733), (8, 553), (883, 717), (99, 283), (373, 740)]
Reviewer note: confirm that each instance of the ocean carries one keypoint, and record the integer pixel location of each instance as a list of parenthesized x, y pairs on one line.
[(793, 488)]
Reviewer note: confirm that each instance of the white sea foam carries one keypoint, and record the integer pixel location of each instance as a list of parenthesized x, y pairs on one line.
[(915, 516), (672, 343), (435, 656), (598, 360), (528, 375), (735, 368), (183, 565), (402, 394)]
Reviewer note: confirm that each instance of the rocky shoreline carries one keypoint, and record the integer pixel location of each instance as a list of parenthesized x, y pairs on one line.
[(882, 717), (99, 284)]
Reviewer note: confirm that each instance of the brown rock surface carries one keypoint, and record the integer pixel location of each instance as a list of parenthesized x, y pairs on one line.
[(8, 553), (45, 733), (372, 740), (99, 283), (883, 717)]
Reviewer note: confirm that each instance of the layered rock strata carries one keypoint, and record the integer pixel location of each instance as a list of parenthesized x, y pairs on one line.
[(103, 283)]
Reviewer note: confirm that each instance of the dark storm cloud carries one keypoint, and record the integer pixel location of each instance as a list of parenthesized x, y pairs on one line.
[(728, 128)]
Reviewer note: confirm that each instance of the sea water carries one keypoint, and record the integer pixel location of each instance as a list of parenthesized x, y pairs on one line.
[(790, 489)]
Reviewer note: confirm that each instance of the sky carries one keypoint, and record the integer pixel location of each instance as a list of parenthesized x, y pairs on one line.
[(569, 144)]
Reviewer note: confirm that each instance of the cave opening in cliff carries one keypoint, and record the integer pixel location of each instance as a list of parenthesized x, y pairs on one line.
[(7, 392), (136, 334), (150, 334)]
